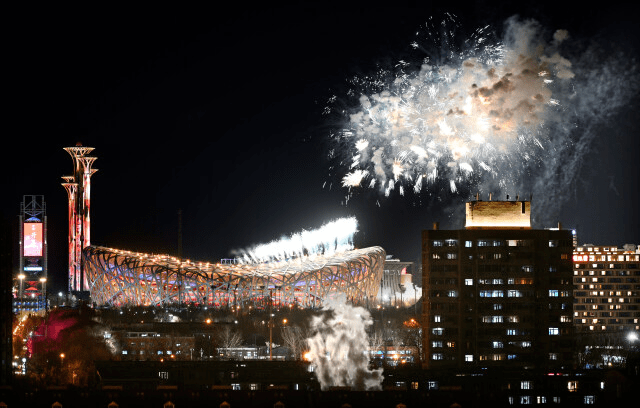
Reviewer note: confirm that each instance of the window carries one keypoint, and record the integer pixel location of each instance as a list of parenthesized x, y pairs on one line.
[(553, 293), (163, 375), (468, 282), (432, 385), (553, 356), (589, 399), (414, 385), (436, 344), (437, 331), (468, 357), (572, 386), (525, 399), (437, 243), (253, 387), (526, 385), (436, 318), (235, 387), (554, 331), (452, 255), (124, 352), (514, 293), (452, 293), (498, 344), (468, 244), (436, 356)]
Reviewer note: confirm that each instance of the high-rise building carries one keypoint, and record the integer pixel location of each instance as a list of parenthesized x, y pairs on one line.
[(31, 280), (78, 187), (607, 289), (497, 293)]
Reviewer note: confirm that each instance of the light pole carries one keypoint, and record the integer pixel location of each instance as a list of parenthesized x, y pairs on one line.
[(43, 282), (20, 292)]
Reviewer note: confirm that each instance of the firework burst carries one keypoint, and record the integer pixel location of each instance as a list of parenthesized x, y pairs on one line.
[(474, 110)]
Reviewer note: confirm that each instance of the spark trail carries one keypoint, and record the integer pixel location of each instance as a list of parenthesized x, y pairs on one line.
[(479, 114), (332, 237)]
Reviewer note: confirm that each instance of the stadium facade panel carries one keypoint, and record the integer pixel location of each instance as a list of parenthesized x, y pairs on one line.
[(119, 278)]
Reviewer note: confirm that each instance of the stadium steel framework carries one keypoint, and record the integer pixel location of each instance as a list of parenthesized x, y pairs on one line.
[(118, 278)]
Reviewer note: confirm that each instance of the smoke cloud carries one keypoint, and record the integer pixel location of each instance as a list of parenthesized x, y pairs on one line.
[(339, 347)]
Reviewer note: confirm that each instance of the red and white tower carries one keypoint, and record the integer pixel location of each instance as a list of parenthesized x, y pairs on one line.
[(78, 188)]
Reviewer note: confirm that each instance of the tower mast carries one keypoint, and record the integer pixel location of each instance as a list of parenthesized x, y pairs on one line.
[(78, 188)]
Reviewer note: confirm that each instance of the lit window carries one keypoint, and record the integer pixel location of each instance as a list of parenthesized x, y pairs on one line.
[(436, 318), (468, 244), (589, 399), (468, 357), (436, 356), (554, 331), (498, 344), (437, 243), (437, 331), (468, 282), (553, 356), (452, 293), (432, 385), (526, 385), (525, 399), (436, 344), (572, 386), (235, 387), (553, 293)]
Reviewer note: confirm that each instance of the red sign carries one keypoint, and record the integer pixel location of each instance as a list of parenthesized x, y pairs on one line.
[(32, 239)]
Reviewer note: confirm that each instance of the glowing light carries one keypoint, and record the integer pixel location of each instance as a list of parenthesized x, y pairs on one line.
[(333, 237)]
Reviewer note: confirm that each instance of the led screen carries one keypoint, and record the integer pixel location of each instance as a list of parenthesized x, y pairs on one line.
[(32, 239)]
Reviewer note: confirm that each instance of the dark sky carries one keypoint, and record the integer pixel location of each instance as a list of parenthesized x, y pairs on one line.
[(218, 113)]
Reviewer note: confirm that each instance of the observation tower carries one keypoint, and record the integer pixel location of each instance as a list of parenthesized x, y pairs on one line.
[(78, 188)]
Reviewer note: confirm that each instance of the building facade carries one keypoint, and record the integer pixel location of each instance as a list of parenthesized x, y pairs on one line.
[(497, 293), (607, 289)]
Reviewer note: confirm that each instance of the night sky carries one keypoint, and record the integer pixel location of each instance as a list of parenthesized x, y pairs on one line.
[(218, 113)]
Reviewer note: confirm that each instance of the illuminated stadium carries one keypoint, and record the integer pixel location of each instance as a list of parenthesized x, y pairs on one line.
[(117, 278)]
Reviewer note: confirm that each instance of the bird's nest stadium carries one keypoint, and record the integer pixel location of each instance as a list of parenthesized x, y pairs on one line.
[(119, 278)]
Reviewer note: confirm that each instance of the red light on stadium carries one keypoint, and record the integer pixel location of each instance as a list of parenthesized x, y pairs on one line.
[(32, 239)]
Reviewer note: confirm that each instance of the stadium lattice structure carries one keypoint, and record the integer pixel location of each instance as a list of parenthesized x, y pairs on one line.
[(118, 278)]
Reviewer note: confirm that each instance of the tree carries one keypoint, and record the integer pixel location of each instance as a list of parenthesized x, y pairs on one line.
[(228, 338), (293, 338)]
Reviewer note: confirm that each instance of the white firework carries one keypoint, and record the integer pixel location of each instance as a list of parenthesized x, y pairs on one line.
[(477, 112)]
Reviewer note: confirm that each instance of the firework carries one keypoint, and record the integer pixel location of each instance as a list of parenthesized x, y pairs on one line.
[(476, 110), (332, 237)]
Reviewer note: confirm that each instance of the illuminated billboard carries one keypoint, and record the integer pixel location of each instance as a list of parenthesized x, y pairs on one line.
[(32, 239)]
